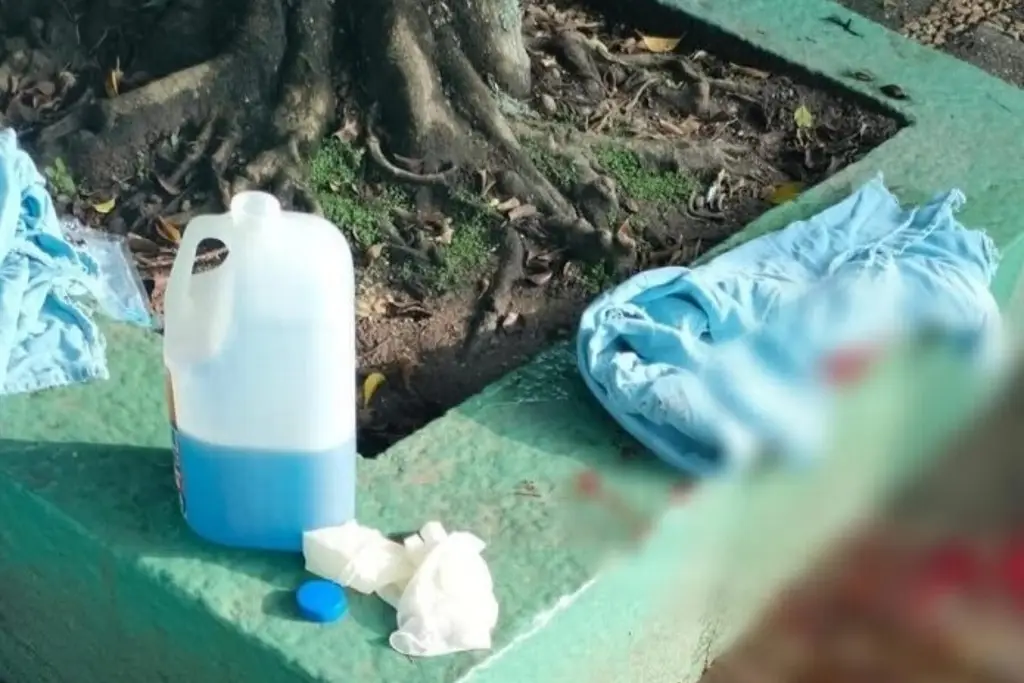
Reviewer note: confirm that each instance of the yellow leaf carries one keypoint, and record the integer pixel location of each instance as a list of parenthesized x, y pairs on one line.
[(168, 230), (112, 83), (656, 44), (802, 117), (105, 207), (371, 384), (780, 194)]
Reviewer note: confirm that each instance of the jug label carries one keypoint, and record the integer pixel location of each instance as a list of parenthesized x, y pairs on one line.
[(175, 446)]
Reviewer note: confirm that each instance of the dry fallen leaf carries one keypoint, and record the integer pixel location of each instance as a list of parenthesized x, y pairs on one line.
[(112, 83), (140, 244), (364, 308), (684, 128), (802, 117), (510, 321), (540, 278), (524, 211), (894, 91), (507, 205), (446, 235), (749, 71), (168, 230), (67, 80), (103, 208), (785, 192), (169, 187), (371, 384), (487, 183), (349, 131), (45, 88), (373, 301), (657, 44), (374, 252), (623, 236)]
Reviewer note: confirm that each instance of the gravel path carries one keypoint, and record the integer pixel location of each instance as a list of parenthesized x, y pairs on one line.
[(986, 33)]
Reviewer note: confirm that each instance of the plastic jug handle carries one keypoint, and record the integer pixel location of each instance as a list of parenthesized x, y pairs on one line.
[(177, 296)]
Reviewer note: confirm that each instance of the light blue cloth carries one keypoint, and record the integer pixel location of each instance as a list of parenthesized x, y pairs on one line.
[(46, 337), (716, 366)]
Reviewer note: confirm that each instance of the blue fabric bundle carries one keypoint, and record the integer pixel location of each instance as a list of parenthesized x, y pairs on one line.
[(46, 337), (715, 366)]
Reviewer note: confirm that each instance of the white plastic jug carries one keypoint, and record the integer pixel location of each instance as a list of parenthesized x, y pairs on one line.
[(260, 358)]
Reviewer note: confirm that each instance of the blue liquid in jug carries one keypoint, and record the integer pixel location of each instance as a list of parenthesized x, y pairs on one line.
[(263, 499)]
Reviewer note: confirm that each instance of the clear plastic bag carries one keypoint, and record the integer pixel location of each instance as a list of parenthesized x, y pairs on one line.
[(120, 293)]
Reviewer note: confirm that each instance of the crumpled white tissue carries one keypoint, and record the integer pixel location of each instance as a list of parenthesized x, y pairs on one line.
[(438, 582)]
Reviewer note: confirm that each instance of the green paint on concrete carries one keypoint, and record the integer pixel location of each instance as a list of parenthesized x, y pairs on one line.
[(100, 581)]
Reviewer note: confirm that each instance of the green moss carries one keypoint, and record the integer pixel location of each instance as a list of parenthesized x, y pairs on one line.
[(641, 183), (597, 277), (558, 169), (335, 173), (468, 256), (60, 178), (337, 176)]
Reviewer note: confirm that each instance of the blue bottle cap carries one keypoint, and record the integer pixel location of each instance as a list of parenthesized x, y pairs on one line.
[(321, 601)]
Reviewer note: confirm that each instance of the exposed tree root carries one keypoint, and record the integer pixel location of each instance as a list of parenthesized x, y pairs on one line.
[(676, 155), (103, 137), (495, 304), (400, 174), (582, 54), (425, 75)]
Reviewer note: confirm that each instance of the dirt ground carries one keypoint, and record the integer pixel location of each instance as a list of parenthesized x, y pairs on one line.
[(667, 145), (986, 33)]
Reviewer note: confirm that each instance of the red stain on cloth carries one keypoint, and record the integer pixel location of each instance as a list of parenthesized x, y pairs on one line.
[(848, 366), (1011, 570)]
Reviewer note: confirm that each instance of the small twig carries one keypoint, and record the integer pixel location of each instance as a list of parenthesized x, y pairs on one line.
[(603, 121), (404, 214), (689, 69), (167, 260), (198, 151), (692, 209), (694, 73), (639, 93), (408, 251), (377, 154), (616, 108), (845, 24), (999, 104), (391, 232)]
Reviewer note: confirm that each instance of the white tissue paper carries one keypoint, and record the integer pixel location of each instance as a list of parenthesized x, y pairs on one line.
[(438, 582)]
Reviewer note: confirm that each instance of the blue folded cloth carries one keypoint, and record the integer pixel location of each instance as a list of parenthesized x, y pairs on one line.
[(716, 366), (46, 337)]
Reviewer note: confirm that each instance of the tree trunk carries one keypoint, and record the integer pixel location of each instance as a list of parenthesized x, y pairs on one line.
[(263, 81)]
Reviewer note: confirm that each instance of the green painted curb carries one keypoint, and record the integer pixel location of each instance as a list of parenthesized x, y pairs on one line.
[(100, 581)]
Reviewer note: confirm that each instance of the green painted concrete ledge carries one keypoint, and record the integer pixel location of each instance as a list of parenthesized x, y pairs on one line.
[(100, 581)]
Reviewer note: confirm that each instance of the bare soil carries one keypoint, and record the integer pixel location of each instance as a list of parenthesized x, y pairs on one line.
[(493, 171)]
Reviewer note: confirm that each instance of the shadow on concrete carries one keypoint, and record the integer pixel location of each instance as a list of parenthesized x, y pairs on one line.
[(124, 497)]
